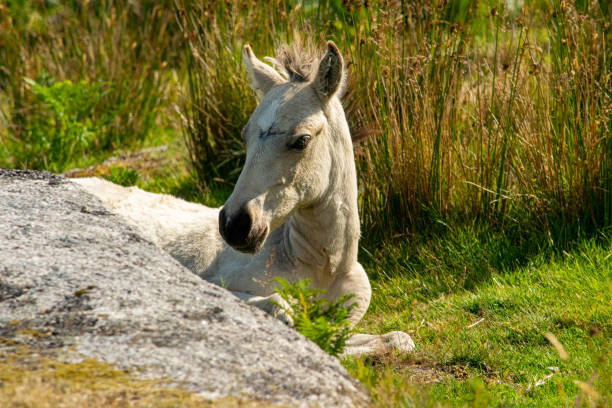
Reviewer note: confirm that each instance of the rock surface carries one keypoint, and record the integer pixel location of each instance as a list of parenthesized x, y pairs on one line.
[(93, 288)]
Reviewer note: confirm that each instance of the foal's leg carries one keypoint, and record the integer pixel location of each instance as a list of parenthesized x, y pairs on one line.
[(273, 304), (357, 283), (364, 344), (354, 282)]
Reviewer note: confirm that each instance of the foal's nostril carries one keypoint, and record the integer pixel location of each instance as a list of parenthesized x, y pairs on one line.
[(240, 224), (222, 222), (236, 230)]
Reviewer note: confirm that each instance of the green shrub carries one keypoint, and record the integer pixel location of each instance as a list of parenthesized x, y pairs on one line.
[(322, 321), (119, 52), (65, 125)]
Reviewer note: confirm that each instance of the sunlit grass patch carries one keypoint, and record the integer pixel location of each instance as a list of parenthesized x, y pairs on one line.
[(159, 166), (495, 332), (122, 176)]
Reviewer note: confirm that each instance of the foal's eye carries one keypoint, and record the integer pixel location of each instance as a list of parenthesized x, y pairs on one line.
[(300, 143)]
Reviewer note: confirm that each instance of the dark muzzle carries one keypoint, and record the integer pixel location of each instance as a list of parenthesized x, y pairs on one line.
[(239, 231)]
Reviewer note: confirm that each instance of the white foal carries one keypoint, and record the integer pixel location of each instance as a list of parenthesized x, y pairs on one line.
[(293, 213)]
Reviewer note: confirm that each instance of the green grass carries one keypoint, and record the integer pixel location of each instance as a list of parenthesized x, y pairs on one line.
[(486, 340)]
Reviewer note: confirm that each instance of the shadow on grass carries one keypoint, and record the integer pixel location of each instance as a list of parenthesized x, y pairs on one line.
[(447, 257)]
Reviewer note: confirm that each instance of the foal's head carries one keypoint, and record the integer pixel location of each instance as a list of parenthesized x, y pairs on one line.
[(292, 142)]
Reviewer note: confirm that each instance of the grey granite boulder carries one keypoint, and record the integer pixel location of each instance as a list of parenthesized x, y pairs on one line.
[(96, 289)]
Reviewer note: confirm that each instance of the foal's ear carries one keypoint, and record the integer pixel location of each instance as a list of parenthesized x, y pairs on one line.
[(262, 77), (330, 74)]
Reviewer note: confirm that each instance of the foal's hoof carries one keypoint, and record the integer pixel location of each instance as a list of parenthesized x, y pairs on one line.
[(368, 344), (399, 341), (274, 305), (278, 307), (283, 316)]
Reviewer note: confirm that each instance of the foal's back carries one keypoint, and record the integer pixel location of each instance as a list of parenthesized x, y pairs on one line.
[(188, 231)]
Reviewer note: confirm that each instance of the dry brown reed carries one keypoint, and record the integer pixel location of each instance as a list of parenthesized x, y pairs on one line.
[(471, 110)]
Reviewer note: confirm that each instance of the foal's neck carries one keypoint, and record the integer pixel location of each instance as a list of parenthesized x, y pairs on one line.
[(325, 236)]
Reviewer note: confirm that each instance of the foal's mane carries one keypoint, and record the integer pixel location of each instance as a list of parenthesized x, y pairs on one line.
[(299, 60)]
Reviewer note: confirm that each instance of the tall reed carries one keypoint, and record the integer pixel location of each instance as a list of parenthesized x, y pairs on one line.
[(121, 48), (474, 109), (514, 125), (219, 101)]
